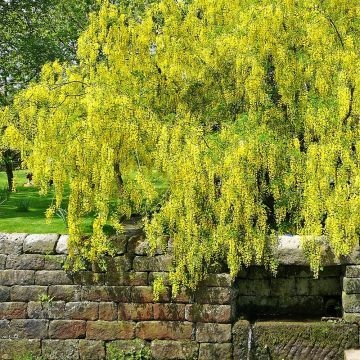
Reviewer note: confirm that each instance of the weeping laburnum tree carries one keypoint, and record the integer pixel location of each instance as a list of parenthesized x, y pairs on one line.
[(248, 111)]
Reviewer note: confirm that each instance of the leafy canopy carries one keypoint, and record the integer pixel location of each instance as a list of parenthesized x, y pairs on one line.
[(248, 109)]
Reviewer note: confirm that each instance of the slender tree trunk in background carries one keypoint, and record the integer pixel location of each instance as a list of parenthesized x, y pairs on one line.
[(8, 160)]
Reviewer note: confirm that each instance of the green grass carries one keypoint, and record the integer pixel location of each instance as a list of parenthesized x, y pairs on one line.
[(13, 220)]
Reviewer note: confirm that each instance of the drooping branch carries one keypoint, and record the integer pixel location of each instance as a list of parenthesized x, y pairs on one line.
[(336, 30), (348, 114)]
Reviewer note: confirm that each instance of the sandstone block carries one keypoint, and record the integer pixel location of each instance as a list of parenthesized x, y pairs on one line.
[(108, 311), (106, 293), (145, 294), (351, 285), (212, 332), (2, 261), (52, 277), (110, 330), (351, 317), (218, 280), (214, 295), (164, 330), (174, 312), (91, 350), (25, 262), (13, 310), (240, 339), (67, 329), (62, 245), (152, 263), (127, 278), (29, 328), (88, 278), (65, 292), (40, 243), (169, 349), (254, 287), (325, 286), (46, 310), (280, 287), (4, 293), (351, 303), (163, 275), (135, 311), (352, 271), (82, 310), (215, 351), (209, 313), (352, 354), (54, 262), (27, 293), (125, 348), (11, 244), (61, 349), (17, 277), (12, 349)]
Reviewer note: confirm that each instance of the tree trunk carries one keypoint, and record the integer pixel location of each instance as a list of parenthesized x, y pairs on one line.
[(8, 160)]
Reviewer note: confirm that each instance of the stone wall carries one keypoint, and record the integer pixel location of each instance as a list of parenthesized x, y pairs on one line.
[(94, 314), (294, 292), (44, 310)]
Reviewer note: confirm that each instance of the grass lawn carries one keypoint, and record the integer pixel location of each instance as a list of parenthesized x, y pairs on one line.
[(12, 220)]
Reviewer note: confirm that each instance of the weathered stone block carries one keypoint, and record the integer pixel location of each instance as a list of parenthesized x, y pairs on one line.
[(11, 243), (125, 348), (152, 263), (351, 303), (174, 312), (25, 262), (46, 310), (256, 287), (310, 305), (17, 277), (169, 349), (82, 310), (110, 330), (215, 351), (13, 310), (5, 329), (106, 293), (28, 328), (52, 277), (27, 293), (88, 278), (351, 285), (209, 313), (62, 245), (312, 340), (40, 243), (4, 293), (241, 345), (325, 286), (65, 292), (119, 243), (164, 330), (61, 349), (258, 305), (214, 295), (184, 296), (67, 329), (218, 280), (108, 311), (145, 294), (13, 349), (2, 261), (135, 311), (281, 287), (351, 317), (91, 350), (211, 332), (126, 278), (302, 286), (352, 271), (54, 262)]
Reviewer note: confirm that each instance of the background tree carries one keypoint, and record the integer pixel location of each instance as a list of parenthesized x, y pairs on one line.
[(248, 110), (33, 33)]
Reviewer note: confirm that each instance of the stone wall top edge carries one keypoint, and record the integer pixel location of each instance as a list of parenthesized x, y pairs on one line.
[(289, 251)]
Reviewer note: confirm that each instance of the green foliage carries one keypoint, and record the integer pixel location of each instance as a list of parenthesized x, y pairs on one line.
[(23, 205), (4, 195), (249, 110)]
